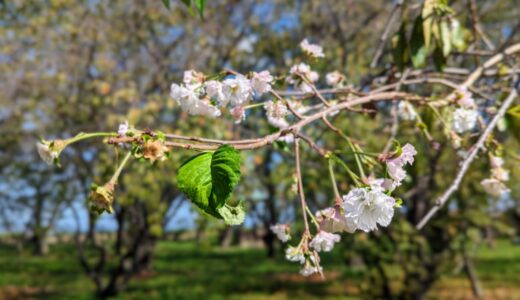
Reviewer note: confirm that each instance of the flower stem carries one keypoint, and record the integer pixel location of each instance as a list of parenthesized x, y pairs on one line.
[(313, 219), (83, 136), (356, 156), (254, 105), (352, 175), (333, 179), (114, 178), (300, 184)]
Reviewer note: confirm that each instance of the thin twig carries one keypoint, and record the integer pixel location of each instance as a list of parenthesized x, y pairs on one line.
[(471, 157), (384, 37), (395, 114), (269, 139), (300, 184), (476, 25)]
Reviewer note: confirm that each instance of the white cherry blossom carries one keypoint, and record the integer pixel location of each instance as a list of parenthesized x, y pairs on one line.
[(463, 97), (334, 78), (188, 99), (395, 165), (313, 50), (367, 207), (495, 161), (281, 231), (332, 220), (261, 82), (238, 113), (324, 241), (237, 90), (193, 79), (500, 174), (214, 90), (464, 120), (406, 111), (494, 187), (294, 254), (295, 74), (46, 153), (276, 112)]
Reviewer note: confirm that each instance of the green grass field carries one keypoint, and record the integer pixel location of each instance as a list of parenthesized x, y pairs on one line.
[(186, 271)]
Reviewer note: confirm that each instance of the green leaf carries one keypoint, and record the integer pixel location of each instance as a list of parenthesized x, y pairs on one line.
[(427, 15), (208, 179), (200, 4), (188, 4), (439, 60), (166, 3), (445, 39), (418, 48), (514, 111), (400, 48), (233, 215), (225, 173), (457, 37)]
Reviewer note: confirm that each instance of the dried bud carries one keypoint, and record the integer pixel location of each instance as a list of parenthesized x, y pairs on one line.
[(154, 150), (101, 198)]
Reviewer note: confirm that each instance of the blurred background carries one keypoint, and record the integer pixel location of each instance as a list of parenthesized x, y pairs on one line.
[(69, 66)]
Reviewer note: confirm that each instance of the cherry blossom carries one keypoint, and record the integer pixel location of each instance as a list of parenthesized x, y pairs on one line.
[(313, 50), (281, 231), (46, 153), (324, 241), (334, 78), (406, 111), (188, 98), (463, 97), (214, 90), (395, 165), (494, 187), (464, 120), (298, 70), (238, 113), (237, 90), (367, 207), (332, 220), (261, 82), (294, 254)]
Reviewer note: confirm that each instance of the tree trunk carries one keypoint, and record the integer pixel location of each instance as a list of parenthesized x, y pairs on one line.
[(270, 216), (39, 244)]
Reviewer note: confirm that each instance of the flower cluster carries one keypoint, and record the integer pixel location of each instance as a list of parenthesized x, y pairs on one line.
[(307, 258), (197, 96), (301, 76), (495, 184), (395, 166)]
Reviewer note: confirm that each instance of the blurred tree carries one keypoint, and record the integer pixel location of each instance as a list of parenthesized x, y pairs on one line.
[(68, 66)]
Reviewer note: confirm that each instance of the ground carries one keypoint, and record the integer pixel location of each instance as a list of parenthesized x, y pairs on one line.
[(183, 270)]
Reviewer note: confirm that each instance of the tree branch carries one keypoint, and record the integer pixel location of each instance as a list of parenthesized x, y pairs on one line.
[(471, 157)]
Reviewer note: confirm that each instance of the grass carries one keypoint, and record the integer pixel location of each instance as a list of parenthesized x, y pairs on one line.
[(186, 271)]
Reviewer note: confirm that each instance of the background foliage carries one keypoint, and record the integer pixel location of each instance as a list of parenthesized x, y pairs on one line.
[(68, 66)]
